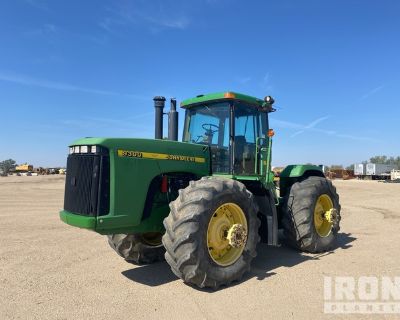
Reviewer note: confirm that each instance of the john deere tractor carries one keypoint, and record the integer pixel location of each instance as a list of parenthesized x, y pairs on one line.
[(204, 203)]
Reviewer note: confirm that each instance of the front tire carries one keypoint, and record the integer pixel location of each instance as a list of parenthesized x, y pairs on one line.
[(311, 215), (138, 248), (211, 232)]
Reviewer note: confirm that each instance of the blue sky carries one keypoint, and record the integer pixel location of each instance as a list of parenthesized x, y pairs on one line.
[(70, 69)]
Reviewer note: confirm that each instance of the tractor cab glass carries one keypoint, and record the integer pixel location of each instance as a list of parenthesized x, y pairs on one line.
[(249, 124), (231, 130), (208, 124)]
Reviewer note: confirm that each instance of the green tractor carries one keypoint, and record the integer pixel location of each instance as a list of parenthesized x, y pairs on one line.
[(204, 203)]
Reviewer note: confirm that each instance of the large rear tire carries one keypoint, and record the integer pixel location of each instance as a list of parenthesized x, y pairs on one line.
[(311, 215), (138, 248), (211, 232)]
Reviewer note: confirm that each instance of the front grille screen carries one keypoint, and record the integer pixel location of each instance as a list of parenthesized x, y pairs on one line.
[(87, 184)]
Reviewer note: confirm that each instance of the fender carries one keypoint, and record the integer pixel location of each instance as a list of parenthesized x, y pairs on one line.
[(297, 172)]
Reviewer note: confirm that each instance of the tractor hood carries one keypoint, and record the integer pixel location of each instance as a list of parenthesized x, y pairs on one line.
[(154, 149), (119, 174)]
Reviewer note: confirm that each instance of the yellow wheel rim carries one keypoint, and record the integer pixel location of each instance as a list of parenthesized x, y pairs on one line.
[(323, 215), (227, 234), (152, 238)]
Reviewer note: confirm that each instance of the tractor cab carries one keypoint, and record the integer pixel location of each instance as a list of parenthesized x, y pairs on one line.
[(232, 125)]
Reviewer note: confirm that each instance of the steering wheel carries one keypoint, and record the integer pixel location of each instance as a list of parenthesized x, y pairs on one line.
[(209, 130)]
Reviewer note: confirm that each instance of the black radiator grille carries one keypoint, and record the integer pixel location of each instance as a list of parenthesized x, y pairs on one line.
[(87, 185)]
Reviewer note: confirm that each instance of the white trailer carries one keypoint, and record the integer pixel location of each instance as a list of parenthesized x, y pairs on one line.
[(359, 169), (377, 169)]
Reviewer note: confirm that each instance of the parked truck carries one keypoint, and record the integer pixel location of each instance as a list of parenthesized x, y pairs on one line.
[(373, 171), (379, 171), (23, 168)]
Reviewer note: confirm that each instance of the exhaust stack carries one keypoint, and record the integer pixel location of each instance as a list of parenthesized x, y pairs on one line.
[(159, 104), (173, 121)]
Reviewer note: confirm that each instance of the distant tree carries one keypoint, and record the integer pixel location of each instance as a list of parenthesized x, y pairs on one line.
[(350, 167), (397, 162), (379, 159), (6, 166)]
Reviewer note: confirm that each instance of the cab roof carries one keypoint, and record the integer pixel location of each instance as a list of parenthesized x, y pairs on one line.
[(227, 95)]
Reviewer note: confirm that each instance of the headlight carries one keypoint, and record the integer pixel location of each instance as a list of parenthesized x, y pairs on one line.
[(94, 149), (84, 149)]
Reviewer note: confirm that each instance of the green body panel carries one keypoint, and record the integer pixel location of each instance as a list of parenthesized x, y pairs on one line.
[(292, 173), (130, 178), (298, 170), (220, 96), (77, 220)]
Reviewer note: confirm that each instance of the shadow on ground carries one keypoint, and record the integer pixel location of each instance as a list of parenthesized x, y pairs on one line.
[(271, 258), (267, 260), (343, 241), (153, 275)]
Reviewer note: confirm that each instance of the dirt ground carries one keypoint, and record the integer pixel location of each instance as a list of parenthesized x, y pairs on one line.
[(49, 270)]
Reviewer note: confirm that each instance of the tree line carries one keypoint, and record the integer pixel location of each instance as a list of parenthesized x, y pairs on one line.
[(6, 166), (376, 159), (385, 160)]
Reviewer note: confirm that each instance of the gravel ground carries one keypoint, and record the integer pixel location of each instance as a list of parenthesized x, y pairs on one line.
[(49, 270)]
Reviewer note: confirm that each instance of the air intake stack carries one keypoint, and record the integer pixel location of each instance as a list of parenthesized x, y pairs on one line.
[(173, 121), (159, 104)]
